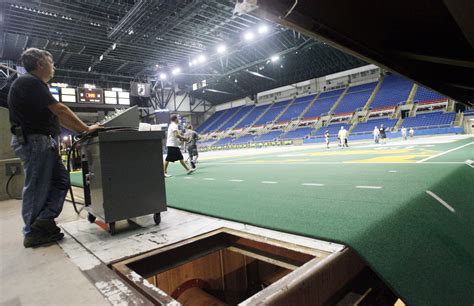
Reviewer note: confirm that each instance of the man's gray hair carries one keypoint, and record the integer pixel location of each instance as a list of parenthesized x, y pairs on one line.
[(31, 57)]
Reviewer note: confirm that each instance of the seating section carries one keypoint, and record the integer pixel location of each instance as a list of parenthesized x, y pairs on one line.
[(272, 113), (298, 133), (436, 119), (205, 125), (295, 109), (332, 128), (368, 127), (424, 94), (323, 104), (223, 141), (356, 97), (393, 91), (270, 136), (252, 116), (228, 114), (205, 144), (244, 139), (243, 111)]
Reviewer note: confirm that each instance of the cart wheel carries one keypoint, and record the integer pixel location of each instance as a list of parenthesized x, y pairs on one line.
[(90, 218), (112, 228), (157, 218)]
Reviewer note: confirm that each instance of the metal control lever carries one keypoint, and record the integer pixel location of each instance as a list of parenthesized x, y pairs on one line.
[(88, 177)]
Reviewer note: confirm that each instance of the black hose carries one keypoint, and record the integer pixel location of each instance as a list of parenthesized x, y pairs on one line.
[(7, 189)]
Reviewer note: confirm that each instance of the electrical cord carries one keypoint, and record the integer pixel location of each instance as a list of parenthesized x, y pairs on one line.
[(7, 187), (81, 138)]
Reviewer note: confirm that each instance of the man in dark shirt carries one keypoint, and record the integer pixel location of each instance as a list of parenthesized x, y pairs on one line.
[(383, 134), (35, 117)]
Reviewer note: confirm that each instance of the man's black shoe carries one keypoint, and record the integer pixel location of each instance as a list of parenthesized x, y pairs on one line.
[(46, 226), (193, 165), (36, 239)]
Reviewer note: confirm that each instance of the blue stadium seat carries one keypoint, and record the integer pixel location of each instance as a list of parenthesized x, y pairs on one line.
[(270, 136), (393, 91), (252, 116), (424, 94), (435, 119), (295, 109), (272, 113), (243, 111), (205, 125), (244, 139), (368, 127), (356, 97), (228, 114), (301, 132), (323, 104)]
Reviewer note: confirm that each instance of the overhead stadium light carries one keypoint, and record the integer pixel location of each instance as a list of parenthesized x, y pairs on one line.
[(176, 71), (162, 76), (274, 58), (194, 62), (101, 57), (114, 46), (262, 29), (249, 36), (221, 49), (190, 64), (201, 58)]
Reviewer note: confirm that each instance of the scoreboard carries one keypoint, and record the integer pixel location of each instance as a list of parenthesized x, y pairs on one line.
[(90, 95)]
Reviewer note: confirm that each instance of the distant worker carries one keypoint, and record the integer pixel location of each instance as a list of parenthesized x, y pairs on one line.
[(383, 134), (191, 147), (342, 135), (404, 133), (172, 144), (376, 134), (412, 132), (326, 137)]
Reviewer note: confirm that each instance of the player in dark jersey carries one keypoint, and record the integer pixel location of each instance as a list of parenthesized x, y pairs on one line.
[(193, 137)]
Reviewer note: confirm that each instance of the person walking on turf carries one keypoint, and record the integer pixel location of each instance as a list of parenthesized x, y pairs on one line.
[(172, 143), (193, 137), (326, 137), (383, 134), (343, 137), (376, 134), (412, 132), (404, 133), (35, 116)]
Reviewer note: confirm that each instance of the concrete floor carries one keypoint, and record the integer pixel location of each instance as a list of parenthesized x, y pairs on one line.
[(40, 276)]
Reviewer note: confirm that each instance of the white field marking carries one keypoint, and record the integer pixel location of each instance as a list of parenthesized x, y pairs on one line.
[(437, 198), (410, 147), (209, 179), (393, 171), (327, 163), (369, 187), (236, 181), (269, 182), (445, 152), (470, 163), (188, 178), (428, 146), (312, 184)]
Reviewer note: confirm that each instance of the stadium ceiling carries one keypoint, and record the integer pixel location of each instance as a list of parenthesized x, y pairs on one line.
[(428, 41), (113, 42)]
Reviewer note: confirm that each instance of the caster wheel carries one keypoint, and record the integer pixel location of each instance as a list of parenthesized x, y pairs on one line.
[(112, 228), (90, 218), (157, 218)]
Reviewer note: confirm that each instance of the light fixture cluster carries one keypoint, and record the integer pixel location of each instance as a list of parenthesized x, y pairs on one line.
[(220, 49), (38, 11)]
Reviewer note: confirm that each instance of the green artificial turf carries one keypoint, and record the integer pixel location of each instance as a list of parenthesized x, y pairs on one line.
[(421, 249)]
